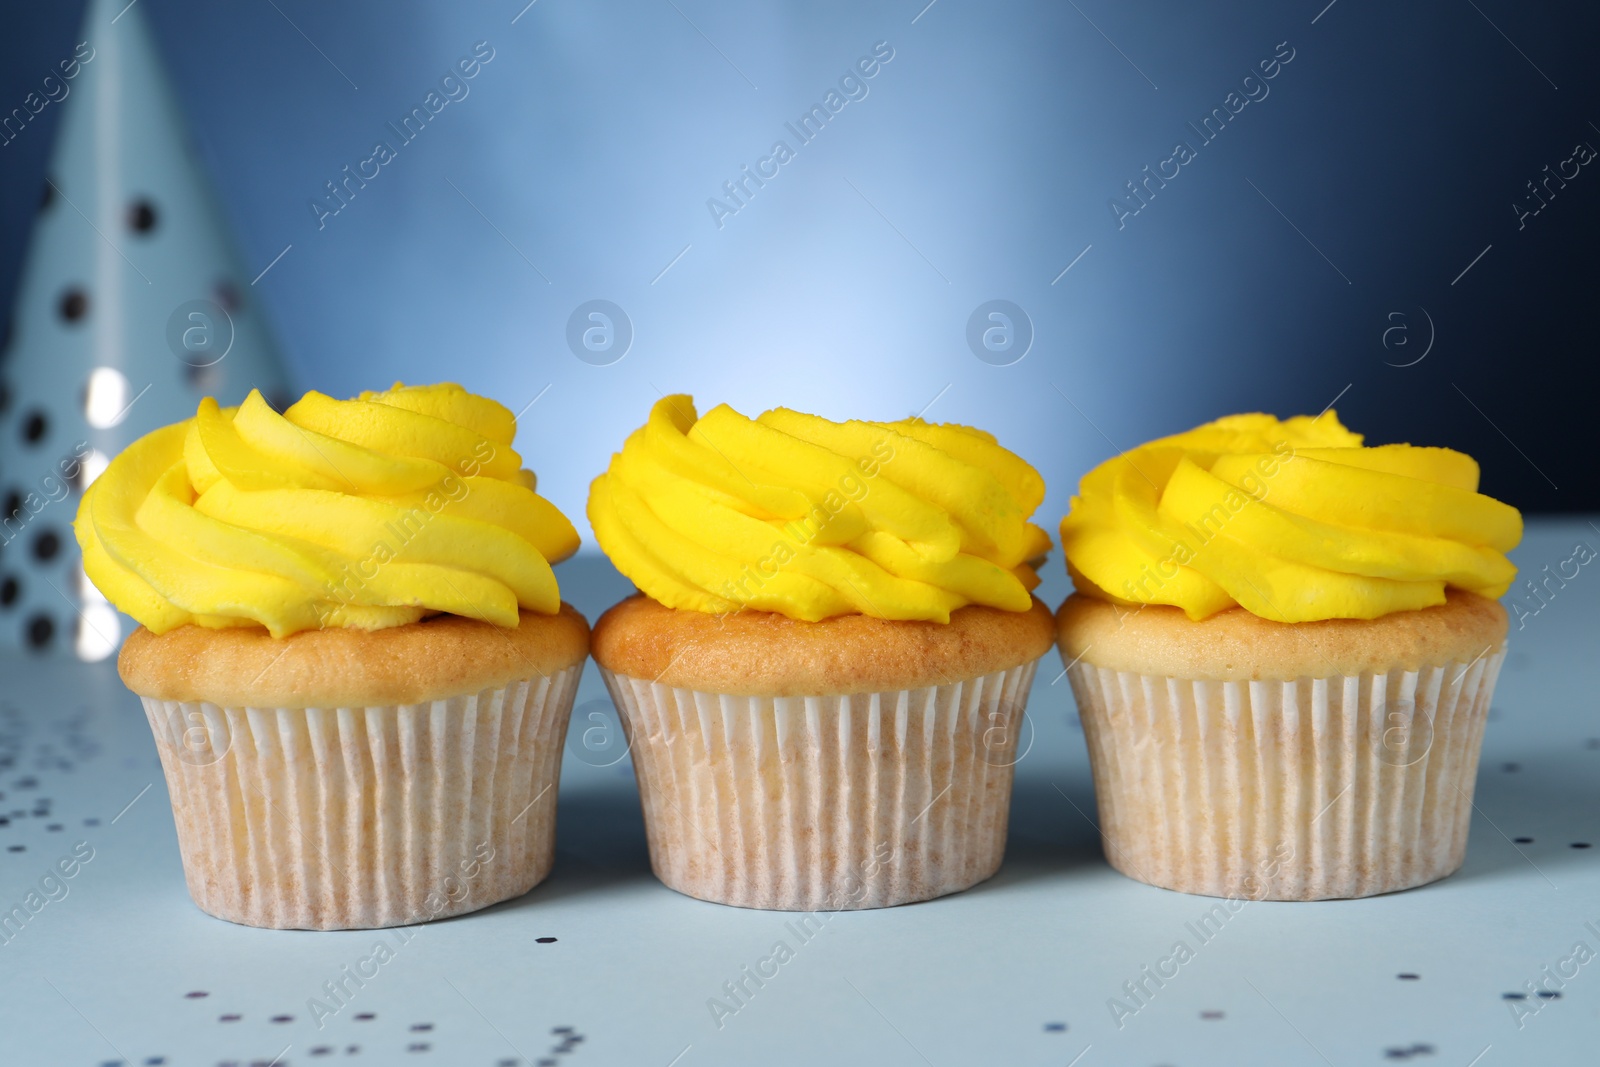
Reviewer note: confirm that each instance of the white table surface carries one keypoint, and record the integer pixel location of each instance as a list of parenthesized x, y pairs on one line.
[(601, 964)]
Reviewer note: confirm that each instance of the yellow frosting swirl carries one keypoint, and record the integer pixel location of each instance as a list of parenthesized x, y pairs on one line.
[(1295, 521), (794, 514), (364, 513)]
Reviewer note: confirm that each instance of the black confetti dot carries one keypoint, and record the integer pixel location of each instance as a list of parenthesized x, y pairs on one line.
[(1408, 976), (561, 1030), (47, 195), (418, 1046), (226, 295), (421, 1028), (320, 1050), (46, 546), (74, 304), (1421, 1050), (92, 821), (1580, 844), (193, 994), (545, 940), (9, 591), (1511, 768), (54, 828), (141, 216), (365, 1016), (1513, 996), (1523, 840), (351, 1050), (281, 1019), (154, 1061), (34, 427), (1055, 1028), (229, 1018), (1211, 1015), (12, 505), (1549, 994), (17, 848), (40, 631)]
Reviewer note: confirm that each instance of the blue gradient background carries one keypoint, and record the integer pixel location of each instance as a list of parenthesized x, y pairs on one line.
[(979, 165)]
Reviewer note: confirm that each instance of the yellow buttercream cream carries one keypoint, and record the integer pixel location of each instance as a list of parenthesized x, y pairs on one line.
[(794, 514), (364, 513), (1293, 520)]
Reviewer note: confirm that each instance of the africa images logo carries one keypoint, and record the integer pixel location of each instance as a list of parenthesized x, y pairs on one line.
[(852, 87)]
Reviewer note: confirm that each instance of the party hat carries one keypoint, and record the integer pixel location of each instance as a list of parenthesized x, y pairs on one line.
[(133, 305)]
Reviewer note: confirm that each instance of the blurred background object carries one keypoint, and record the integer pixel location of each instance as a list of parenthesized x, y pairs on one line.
[(1176, 212), (130, 307)]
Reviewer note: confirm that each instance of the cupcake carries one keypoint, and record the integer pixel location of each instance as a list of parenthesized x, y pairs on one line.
[(353, 653), (1283, 646), (824, 672)]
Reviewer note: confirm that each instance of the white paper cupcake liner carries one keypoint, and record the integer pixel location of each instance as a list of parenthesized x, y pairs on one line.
[(825, 802), (362, 817), (1303, 790)]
